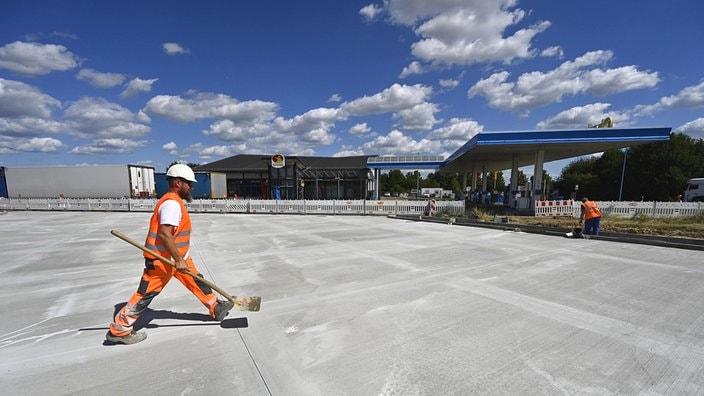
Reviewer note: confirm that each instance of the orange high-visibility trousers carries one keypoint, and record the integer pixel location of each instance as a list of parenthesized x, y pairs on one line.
[(155, 277)]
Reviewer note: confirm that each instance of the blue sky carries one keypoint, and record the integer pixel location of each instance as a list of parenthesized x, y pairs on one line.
[(152, 82)]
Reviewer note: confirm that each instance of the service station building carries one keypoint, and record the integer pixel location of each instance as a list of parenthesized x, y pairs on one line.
[(357, 177)]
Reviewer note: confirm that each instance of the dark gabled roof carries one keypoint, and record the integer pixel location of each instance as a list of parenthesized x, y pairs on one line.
[(357, 162), (260, 162), (240, 162)]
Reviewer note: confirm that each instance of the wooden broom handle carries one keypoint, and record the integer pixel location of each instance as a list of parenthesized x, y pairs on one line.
[(171, 263)]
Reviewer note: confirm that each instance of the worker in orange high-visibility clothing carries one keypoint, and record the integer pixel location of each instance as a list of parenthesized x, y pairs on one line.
[(169, 235), (591, 215)]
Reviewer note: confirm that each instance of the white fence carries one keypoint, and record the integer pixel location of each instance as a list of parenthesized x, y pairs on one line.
[(621, 208), (566, 208), (307, 207)]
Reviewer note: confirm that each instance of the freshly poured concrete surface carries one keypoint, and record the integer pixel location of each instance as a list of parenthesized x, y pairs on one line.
[(351, 305)]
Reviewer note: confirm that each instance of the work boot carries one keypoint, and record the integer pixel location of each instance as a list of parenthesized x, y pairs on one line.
[(222, 309), (132, 338)]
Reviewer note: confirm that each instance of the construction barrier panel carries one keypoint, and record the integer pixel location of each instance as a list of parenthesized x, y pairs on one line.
[(207, 205), (291, 207), (563, 208), (414, 207), (237, 205), (433, 208), (320, 207), (381, 207), (263, 206), (349, 207)]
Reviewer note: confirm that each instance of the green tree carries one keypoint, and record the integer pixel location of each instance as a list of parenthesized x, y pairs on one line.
[(608, 169), (392, 181), (655, 171), (658, 171), (579, 172), (414, 179), (522, 178), (494, 181)]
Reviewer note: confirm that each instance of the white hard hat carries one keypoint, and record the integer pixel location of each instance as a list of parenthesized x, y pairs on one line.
[(182, 171)]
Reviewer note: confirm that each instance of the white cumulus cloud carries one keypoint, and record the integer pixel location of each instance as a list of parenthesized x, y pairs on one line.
[(174, 48), (99, 79), (34, 59)]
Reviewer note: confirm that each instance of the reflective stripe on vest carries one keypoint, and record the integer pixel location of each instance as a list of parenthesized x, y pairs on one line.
[(590, 210), (182, 233)]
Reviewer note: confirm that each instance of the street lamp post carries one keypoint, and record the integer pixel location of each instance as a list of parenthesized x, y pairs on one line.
[(418, 178), (338, 186), (623, 173)]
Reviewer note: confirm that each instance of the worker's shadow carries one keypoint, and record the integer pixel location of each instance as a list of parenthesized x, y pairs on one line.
[(149, 315)]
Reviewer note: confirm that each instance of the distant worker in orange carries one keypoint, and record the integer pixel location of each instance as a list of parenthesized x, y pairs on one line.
[(170, 235), (591, 215)]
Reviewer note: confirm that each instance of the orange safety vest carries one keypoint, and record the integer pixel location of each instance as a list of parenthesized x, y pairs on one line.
[(182, 233), (590, 210)]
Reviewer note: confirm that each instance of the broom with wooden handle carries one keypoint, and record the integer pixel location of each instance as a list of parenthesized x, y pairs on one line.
[(242, 303)]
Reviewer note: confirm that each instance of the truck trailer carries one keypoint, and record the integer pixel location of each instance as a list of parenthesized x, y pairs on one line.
[(208, 185), (3, 183), (81, 181)]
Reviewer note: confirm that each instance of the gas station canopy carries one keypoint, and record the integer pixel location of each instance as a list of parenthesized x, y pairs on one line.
[(498, 150)]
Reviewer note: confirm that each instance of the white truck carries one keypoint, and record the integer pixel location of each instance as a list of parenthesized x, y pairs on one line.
[(82, 181), (694, 192)]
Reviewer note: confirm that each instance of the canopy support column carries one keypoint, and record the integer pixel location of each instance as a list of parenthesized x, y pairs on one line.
[(537, 178)]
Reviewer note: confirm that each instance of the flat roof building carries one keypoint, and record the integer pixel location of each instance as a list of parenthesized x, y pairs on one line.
[(294, 177)]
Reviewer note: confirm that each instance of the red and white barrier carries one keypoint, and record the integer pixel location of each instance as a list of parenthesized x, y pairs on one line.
[(556, 208), (433, 207)]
